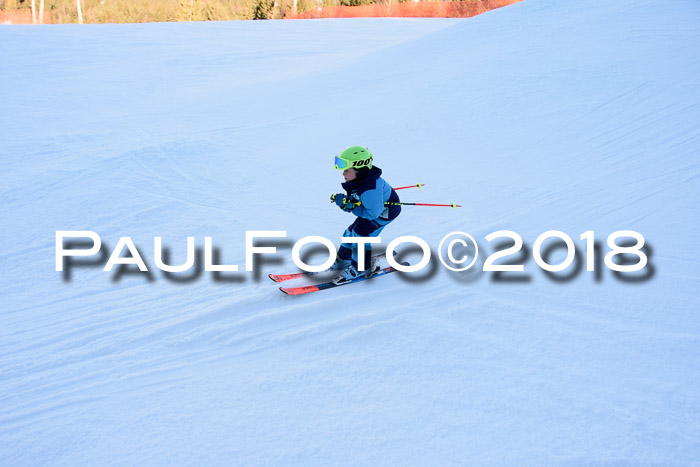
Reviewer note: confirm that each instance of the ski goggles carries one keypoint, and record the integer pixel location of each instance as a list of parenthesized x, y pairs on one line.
[(344, 164)]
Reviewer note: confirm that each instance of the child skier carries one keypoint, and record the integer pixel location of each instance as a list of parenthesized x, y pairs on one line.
[(365, 195)]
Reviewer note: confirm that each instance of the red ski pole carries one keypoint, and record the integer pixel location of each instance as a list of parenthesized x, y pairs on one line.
[(453, 205), (410, 186)]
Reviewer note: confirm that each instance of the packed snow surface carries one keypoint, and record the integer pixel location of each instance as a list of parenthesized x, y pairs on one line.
[(545, 115)]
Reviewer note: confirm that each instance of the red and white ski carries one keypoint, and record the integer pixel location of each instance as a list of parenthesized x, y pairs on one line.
[(329, 285), (298, 275)]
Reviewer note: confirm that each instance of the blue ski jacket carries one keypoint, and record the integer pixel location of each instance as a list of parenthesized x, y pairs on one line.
[(372, 190)]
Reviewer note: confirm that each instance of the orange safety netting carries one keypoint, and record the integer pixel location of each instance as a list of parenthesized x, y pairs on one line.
[(448, 9), (23, 16)]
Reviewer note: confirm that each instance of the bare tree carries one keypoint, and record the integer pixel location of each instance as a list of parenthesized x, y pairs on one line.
[(41, 12), (33, 13), (80, 12)]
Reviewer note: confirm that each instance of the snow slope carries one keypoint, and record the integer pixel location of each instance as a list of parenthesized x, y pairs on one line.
[(543, 115)]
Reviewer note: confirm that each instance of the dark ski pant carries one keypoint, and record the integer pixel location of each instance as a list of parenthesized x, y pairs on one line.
[(361, 228)]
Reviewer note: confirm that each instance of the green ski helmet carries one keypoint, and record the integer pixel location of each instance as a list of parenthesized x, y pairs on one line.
[(354, 157)]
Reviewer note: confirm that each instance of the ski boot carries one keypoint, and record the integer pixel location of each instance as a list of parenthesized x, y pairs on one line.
[(340, 264), (350, 272)]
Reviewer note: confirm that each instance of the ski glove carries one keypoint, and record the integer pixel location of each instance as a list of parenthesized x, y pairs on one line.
[(339, 199), (343, 203)]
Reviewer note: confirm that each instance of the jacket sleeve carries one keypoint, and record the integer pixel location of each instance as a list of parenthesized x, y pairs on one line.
[(372, 203)]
